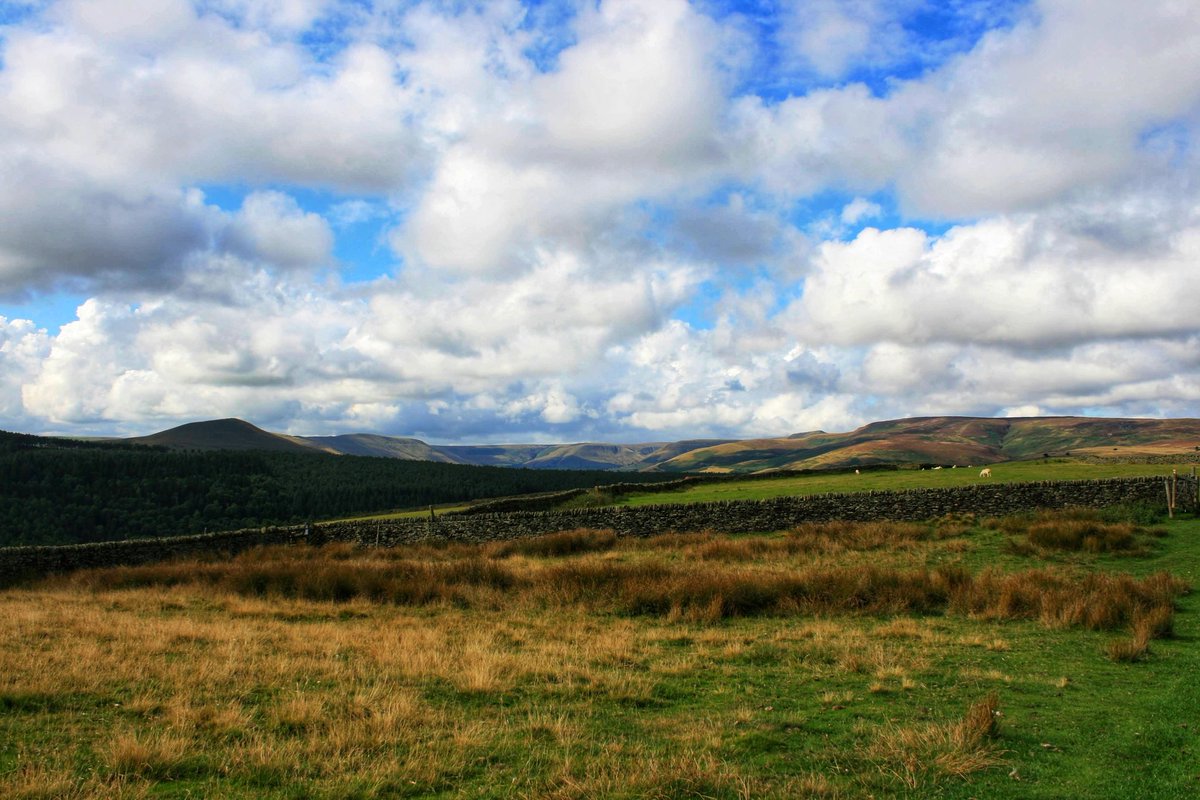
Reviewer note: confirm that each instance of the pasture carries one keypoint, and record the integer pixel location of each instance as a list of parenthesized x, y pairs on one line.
[(1031, 657), (890, 480)]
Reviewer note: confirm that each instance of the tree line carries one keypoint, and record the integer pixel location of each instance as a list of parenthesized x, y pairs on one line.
[(60, 491)]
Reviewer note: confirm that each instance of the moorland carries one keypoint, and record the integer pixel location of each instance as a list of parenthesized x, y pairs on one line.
[(1043, 655), (1038, 655)]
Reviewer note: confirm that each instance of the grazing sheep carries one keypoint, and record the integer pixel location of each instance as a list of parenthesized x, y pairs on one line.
[(986, 472), (856, 472), (937, 467)]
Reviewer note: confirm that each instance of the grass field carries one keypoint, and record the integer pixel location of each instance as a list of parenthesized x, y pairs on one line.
[(817, 483), (1017, 471), (1030, 658)]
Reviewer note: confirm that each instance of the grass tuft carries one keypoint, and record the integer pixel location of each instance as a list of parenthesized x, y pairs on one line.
[(556, 545), (917, 756), (1077, 530)]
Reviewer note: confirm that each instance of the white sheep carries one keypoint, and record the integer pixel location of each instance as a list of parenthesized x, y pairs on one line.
[(986, 472)]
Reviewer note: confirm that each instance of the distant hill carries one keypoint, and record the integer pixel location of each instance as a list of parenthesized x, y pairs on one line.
[(236, 434), (369, 444), (948, 440), (226, 434), (229, 474), (920, 440)]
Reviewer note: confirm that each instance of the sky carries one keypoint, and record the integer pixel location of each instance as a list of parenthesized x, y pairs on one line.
[(595, 220)]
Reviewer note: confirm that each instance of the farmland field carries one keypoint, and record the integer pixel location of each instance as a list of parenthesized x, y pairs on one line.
[(816, 483), (762, 488), (1028, 657)]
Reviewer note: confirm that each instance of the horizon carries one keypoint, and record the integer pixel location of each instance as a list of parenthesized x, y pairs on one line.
[(563, 443), (611, 221)]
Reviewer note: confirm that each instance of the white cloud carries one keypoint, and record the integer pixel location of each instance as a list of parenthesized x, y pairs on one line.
[(996, 282), (22, 349), (859, 209), (630, 114), (201, 100), (273, 227), (557, 221), (85, 361), (1061, 102), (638, 89), (830, 36)]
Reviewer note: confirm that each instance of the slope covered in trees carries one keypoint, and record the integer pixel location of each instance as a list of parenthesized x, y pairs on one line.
[(55, 491)]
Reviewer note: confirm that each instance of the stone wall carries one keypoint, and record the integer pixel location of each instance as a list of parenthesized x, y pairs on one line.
[(18, 563), (745, 516), (735, 516)]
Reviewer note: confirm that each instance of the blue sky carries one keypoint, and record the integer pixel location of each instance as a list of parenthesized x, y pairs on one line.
[(625, 220)]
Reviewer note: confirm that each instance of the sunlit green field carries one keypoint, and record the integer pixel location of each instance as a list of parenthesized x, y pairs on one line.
[(1017, 471), (817, 483)]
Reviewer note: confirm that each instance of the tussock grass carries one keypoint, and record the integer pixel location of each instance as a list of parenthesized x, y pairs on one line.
[(1078, 530), (566, 543), (1096, 601), (828, 661), (492, 575), (917, 755)]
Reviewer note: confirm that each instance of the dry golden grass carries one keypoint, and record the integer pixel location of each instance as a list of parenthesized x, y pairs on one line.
[(916, 755), (223, 687), (1073, 530), (353, 671)]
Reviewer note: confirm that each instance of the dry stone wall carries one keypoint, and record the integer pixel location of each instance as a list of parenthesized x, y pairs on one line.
[(746, 516), (17, 563), (737, 516)]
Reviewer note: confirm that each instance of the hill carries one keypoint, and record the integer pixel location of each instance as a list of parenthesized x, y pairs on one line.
[(61, 491), (948, 440), (236, 434), (919, 440), (226, 434)]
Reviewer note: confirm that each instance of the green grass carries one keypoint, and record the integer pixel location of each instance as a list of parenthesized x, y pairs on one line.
[(206, 689), (817, 483), (402, 514)]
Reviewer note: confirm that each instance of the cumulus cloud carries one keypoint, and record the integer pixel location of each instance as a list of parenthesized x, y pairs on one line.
[(1058, 102), (630, 113), (1013, 281), (735, 233), (830, 36), (1034, 113), (273, 227), (22, 349), (176, 96), (58, 227), (604, 226), (859, 209)]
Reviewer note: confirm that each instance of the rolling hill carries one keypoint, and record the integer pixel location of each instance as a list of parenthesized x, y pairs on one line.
[(948, 440), (236, 434), (920, 440), (226, 434)]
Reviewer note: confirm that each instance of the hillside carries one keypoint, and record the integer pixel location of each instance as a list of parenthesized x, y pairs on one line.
[(919, 440), (61, 491), (236, 434), (948, 440), (226, 434)]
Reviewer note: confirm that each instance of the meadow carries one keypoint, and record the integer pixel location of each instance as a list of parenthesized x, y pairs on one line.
[(762, 488), (1032, 656), (819, 482)]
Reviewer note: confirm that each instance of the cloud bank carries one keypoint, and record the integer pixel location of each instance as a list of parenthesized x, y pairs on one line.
[(633, 220)]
